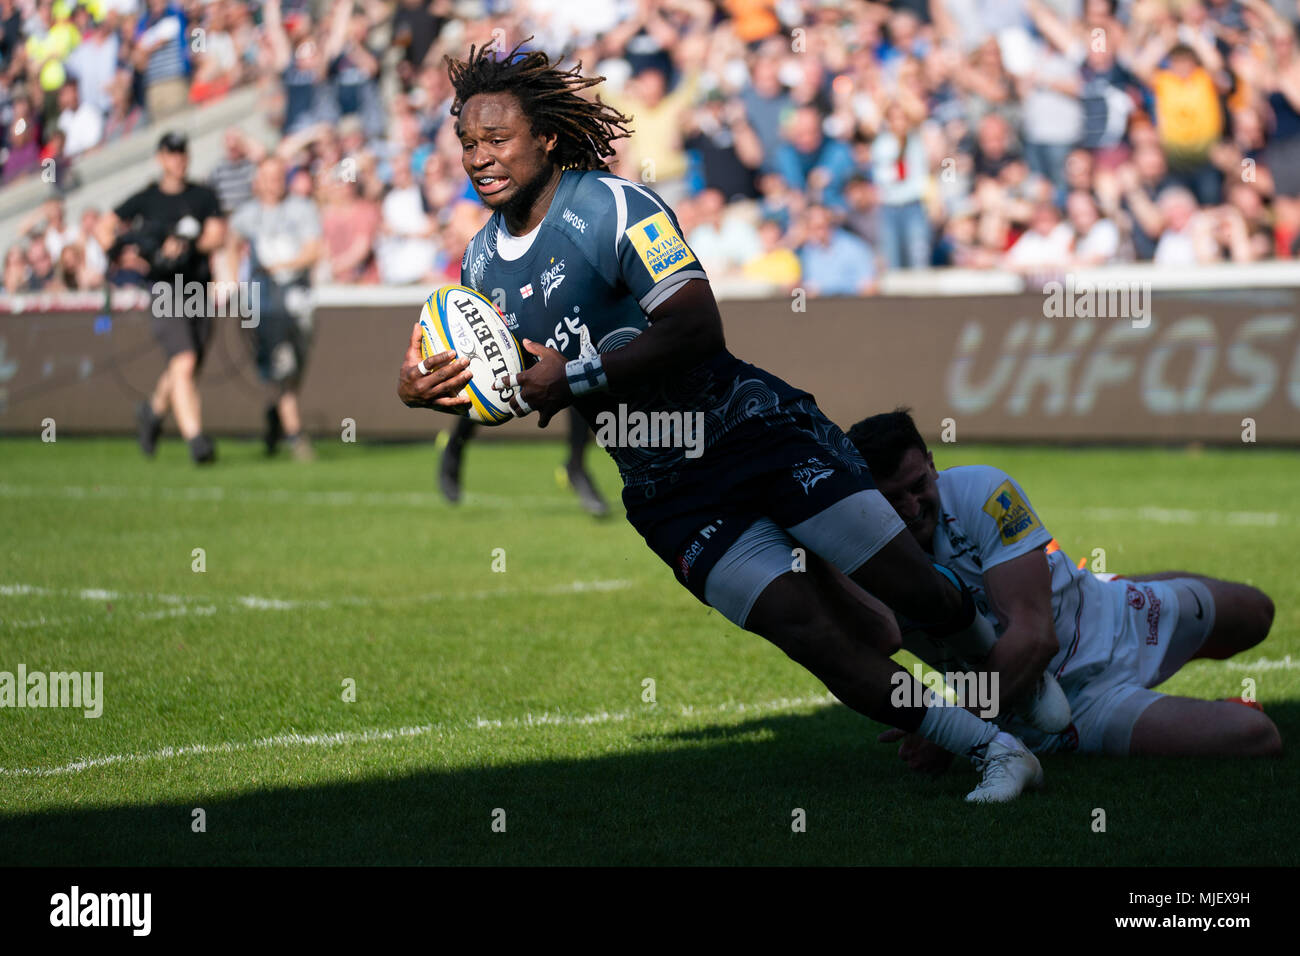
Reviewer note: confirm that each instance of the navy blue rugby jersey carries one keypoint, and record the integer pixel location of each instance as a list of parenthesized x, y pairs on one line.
[(608, 252)]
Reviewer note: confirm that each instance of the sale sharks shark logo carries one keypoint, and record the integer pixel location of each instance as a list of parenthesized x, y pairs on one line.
[(551, 279), (810, 472)]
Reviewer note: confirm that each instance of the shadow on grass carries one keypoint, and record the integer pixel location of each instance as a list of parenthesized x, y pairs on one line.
[(723, 795)]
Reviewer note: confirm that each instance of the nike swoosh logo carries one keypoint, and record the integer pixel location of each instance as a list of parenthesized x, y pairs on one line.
[(1199, 612)]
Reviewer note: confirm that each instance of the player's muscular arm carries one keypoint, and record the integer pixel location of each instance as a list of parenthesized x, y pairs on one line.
[(1020, 593), (684, 331)]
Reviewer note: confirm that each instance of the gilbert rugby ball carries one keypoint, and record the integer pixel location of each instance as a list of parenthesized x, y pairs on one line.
[(458, 319)]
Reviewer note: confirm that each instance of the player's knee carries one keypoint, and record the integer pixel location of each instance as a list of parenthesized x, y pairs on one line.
[(1261, 615), (1260, 737), (1244, 616), (888, 636), (1250, 618), (818, 630)]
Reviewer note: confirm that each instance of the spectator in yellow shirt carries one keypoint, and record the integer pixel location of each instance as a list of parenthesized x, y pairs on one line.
[(654, 150), (47, 49), (1189, 117), (777, 263)]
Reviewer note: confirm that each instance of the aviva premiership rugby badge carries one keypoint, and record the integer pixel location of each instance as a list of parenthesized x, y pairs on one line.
[(660, 247), (1014, 517)]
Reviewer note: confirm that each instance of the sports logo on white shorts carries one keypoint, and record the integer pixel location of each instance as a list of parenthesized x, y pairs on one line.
[(810, 472)]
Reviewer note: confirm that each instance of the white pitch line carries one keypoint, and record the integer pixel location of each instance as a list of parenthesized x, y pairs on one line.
[(1185, 516), (183, 611), (251, 602), (1264, 664), (368, 736), (288, 496), (1153, 513), (88, 594)]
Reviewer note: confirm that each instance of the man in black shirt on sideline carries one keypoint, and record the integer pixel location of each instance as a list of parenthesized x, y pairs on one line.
[(175, 224)]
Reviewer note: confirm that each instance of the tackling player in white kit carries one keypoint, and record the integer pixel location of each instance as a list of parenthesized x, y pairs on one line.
[(1107, 642)]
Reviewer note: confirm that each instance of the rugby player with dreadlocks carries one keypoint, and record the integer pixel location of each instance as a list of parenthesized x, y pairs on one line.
[(618, 317)]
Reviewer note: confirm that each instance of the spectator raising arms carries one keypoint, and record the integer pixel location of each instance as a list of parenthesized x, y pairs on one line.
[(217, 65), (934, 132), (1189, 118), (416, 25), (354, 68), (296, 57), (162, 56)]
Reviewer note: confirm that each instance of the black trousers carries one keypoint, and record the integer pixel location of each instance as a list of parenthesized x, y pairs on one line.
[(579, 436)]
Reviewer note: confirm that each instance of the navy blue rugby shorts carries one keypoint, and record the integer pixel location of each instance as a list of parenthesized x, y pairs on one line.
[(787, 473)]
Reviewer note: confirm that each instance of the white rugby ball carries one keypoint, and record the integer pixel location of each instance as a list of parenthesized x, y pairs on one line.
[(460, 320)]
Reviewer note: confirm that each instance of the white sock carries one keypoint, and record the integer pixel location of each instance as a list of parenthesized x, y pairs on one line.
[(954, 729)]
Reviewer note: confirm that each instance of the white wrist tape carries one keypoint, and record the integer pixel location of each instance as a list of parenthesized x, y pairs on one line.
[(585, 375)]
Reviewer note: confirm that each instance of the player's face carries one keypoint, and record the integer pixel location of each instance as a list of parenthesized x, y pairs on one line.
[(502, 156), (913, 492)]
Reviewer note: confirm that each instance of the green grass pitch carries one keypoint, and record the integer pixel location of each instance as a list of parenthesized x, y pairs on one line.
[(522, 690)]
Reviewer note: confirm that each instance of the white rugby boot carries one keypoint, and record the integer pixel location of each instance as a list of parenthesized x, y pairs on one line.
[(1008, 768), (1046, 707)]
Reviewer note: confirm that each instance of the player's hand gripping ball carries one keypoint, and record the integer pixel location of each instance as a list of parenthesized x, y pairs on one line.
[(457, 319), (543, 388)]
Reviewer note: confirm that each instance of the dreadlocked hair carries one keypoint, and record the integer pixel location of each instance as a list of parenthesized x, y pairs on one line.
[(548, 96)]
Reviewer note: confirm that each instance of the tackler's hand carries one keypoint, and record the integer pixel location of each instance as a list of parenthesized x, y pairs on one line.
[(917, 752)]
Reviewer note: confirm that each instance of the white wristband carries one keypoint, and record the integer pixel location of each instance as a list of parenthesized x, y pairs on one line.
[(585, 375)]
